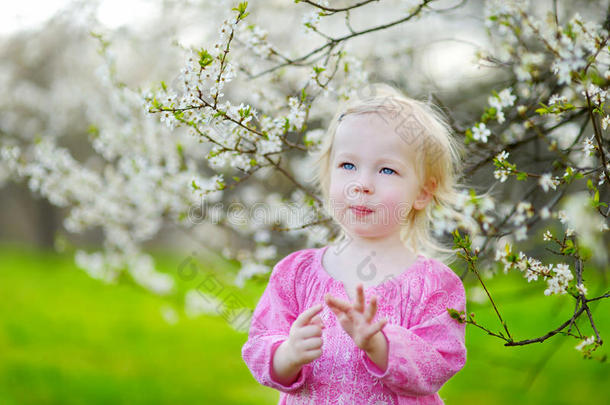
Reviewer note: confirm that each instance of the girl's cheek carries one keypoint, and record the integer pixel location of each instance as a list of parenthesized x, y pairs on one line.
[(393, 192), (338, 186), (394, 200), (335, 192)]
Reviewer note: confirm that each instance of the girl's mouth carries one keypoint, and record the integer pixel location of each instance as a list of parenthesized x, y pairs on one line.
[(361, 210)]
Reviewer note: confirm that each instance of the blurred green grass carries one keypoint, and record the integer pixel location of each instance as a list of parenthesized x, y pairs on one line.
[(66, 338)]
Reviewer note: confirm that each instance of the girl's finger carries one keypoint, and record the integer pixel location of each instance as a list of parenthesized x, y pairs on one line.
[(334, 310), (340, 304), (371, 310), (359, 305), (304, 318)]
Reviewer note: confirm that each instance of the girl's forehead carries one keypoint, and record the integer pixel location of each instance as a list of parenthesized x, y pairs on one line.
[(370, 132)]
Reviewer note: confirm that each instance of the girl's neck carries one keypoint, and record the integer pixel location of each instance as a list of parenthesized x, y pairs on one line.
[(381, 247)]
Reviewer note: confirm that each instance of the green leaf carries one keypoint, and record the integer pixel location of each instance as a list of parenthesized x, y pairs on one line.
[(241, 10), (489, 114), (156, 104), (458, 316), (205, 58), (93, 130), (569, 248)]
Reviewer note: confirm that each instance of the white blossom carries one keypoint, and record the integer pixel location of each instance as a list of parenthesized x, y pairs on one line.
[(255, 38), (480, 132), (263, 253), (501, 174), (558, 283), (311, 19), (547, 235), (602, 175), (596, 94), (521, 233), (557, 99), (315, 135), (297, 113), (262, 236), (502, 156), (588, 146), (585, 342), (249, 269), (546, 182), (198, 303), (507, 99)]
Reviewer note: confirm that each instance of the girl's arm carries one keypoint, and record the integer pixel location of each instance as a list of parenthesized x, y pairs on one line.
[(275, 312), (422, 358), (283, 371), (378, 352)]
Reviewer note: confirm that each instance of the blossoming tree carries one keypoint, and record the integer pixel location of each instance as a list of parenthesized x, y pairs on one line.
[(245, 110)]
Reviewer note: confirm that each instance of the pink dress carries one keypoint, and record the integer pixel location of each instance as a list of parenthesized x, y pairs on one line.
[(425, 345)]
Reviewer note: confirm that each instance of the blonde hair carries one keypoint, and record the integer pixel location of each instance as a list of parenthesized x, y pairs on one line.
[(437, 158)]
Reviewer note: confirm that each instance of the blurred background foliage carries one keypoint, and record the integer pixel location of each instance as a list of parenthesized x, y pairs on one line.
[(66, 338)]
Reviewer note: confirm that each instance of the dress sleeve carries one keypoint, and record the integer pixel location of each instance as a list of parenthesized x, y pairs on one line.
[(426, 355), (273, 316)]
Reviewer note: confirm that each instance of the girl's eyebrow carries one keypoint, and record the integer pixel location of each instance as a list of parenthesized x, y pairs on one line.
[(381, 159)]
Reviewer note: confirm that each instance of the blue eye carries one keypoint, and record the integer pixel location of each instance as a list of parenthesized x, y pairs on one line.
[(343, 165), (387, 168)]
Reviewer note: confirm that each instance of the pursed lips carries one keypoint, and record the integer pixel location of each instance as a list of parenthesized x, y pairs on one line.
[(361, 208)]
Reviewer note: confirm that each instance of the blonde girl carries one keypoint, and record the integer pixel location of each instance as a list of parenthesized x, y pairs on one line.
[(364, 319)]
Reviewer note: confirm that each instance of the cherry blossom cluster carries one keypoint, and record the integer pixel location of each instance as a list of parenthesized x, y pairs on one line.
[(558, 276)]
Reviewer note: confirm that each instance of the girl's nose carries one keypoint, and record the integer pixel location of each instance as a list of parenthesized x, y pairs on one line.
[(360, 186), (366, 188)]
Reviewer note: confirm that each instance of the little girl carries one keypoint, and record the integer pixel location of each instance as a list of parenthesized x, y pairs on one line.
[(364, 320)]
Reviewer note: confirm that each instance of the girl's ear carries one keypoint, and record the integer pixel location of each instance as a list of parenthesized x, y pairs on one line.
[(425, 194)]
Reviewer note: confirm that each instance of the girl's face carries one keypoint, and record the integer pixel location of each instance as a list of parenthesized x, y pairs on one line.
[(373, 185)]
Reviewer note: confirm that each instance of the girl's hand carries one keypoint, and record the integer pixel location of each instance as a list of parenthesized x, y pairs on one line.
[(355, 319), (304, 343)]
